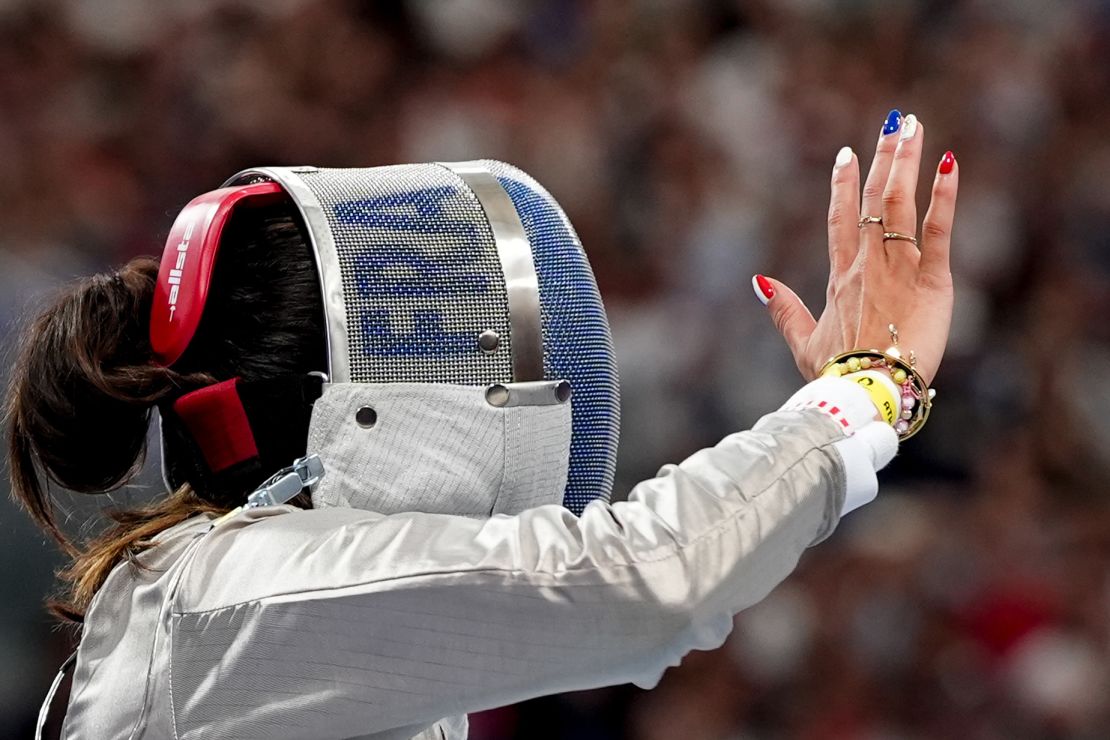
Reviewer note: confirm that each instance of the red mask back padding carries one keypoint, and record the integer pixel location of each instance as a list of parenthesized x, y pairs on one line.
[(188, 262), (217, 421)]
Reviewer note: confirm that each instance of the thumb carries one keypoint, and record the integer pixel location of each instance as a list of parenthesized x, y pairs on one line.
[(790, 315)]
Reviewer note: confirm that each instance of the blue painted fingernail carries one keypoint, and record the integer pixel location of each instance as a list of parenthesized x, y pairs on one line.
[(893, 122)]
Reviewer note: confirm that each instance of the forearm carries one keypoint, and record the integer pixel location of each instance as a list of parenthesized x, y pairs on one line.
[(423, 616)]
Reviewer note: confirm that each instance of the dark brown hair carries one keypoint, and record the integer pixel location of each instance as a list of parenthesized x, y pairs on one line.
[(82, 391)]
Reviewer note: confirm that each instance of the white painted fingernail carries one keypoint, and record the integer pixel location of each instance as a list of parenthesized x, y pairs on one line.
[(909, 127), (844, 156)]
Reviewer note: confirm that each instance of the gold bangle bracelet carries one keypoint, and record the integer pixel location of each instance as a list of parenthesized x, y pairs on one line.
[(904, 374)]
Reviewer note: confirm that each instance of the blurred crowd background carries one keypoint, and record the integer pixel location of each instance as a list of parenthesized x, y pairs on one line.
[(691, 143)]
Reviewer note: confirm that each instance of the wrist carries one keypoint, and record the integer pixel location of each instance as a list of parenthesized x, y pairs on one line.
[(912, 397), (882, 390), (848, 404)]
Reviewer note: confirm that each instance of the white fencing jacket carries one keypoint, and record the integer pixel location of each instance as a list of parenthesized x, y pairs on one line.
[(343, 623)]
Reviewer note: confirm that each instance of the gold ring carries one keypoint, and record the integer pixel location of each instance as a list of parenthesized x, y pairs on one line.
[(895, 236), (865, 220)]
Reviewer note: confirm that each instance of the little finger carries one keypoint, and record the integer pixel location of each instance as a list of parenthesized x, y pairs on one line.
[(936, 230)]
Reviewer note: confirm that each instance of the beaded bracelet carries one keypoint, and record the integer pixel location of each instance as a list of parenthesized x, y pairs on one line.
[(917, 396)]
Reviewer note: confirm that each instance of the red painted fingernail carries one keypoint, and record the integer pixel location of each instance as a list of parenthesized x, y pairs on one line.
[(764, 291), (947, 162)]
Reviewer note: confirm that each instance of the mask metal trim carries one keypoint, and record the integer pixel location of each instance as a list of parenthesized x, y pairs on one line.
[(327, 260), (542, 393), (515, 254)]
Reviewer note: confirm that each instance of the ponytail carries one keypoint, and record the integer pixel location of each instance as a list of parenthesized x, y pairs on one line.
[(82, 390)]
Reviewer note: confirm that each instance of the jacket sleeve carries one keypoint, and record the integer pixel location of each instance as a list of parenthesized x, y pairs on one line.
[(349, 622)]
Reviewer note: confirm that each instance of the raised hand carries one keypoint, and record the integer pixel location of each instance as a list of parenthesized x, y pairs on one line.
[(878, 276)]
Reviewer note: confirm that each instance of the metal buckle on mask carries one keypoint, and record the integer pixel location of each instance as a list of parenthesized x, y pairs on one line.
[(287, 482), (536, 393)]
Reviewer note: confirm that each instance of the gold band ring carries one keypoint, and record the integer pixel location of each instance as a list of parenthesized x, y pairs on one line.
[(865, 220), (895, 236)]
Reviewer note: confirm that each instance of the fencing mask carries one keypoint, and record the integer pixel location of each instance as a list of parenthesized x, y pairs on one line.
[(471, 368)]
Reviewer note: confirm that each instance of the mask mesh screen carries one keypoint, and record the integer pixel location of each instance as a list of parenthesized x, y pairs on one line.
[(576, 339), (421, 277), (421, 280)]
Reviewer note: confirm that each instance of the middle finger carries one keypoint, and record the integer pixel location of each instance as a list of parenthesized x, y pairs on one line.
[(899, 207), (872, 203)]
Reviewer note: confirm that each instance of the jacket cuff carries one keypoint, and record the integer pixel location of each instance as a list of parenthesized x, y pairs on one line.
[(863, 454), (868, 445)]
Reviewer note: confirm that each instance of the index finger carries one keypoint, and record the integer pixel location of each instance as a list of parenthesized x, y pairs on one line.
[(843, 212)]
